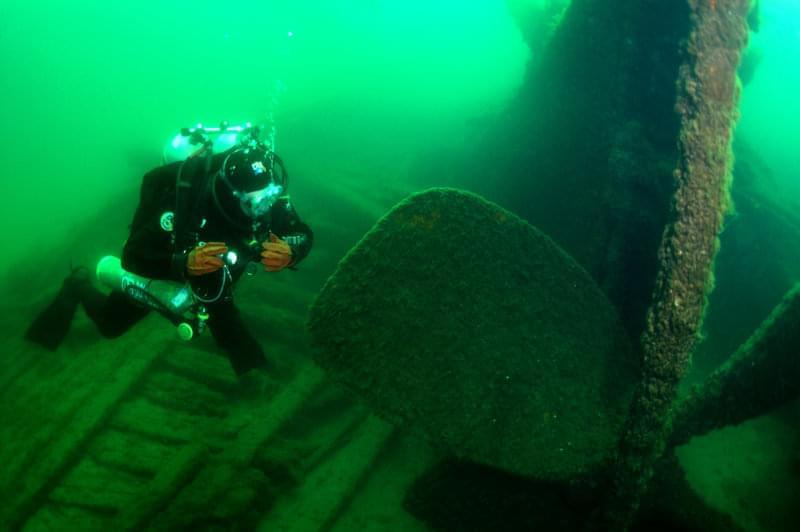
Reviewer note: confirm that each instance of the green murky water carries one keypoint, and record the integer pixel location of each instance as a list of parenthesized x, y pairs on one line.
[(370, 100)]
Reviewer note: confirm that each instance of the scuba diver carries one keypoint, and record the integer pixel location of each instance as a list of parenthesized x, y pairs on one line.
[(200, 224)]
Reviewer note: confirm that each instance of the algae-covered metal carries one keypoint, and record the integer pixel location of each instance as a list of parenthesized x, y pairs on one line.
[(457, 317), (707, 105), (763, 374)]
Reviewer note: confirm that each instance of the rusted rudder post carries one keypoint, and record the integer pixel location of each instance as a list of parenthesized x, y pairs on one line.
[(707, 104)]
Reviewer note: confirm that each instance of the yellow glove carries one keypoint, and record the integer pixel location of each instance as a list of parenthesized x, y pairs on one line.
[(205, 258), (276, 254)]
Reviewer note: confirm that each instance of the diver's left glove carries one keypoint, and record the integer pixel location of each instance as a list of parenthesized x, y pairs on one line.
[(276, 254)]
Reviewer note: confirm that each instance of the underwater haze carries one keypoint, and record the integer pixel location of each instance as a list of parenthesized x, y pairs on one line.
[(92, 91), (770, 108), (529, 304)]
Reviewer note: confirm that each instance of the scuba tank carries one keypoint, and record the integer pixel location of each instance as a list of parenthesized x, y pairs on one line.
[(173, 300), (219, 139)]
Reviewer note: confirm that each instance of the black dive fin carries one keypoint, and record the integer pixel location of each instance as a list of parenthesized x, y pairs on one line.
[(52, 325)]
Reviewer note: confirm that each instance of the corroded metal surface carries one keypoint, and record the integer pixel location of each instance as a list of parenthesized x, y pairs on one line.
[(707, 105), (467, 323), (763, 374)]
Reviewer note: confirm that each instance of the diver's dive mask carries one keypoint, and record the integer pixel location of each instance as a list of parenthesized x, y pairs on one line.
[(255, 179), (257, 204)]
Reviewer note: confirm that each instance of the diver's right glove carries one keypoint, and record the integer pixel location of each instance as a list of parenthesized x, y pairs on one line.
[(205, 258), (277, 254)]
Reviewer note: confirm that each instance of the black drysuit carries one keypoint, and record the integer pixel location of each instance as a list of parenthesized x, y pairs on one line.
[(151, 251)]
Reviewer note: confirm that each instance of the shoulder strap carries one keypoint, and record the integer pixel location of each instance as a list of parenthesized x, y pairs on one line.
[(190, 190)]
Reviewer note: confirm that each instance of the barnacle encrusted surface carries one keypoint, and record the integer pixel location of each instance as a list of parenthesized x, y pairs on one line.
[(460, 319)]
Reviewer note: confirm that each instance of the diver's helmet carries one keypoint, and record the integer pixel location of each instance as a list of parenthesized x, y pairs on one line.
[(251, 179)]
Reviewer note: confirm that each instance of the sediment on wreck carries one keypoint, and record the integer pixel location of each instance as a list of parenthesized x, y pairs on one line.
[(707, 105), (763, 374), (757, 265), (527, 369)]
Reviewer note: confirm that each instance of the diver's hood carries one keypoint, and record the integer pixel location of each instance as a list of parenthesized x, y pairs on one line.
[(247, 185)]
